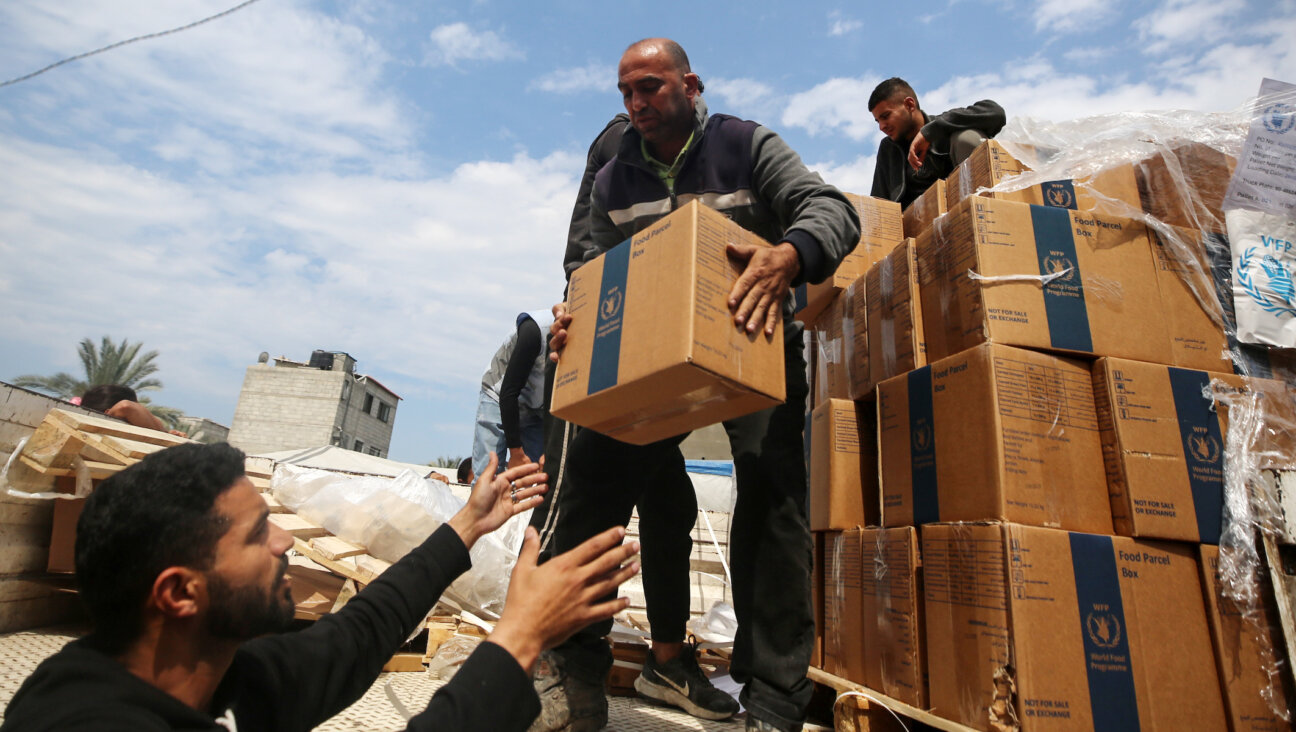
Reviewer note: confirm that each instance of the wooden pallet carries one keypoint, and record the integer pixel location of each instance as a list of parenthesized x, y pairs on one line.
[(861, 709)]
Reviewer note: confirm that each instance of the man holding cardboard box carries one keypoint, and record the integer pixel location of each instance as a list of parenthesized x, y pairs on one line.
[(917, 150), (675, 153)]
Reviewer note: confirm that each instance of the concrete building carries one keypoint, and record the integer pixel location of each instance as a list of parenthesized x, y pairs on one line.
[(290, 405), (204, 430)]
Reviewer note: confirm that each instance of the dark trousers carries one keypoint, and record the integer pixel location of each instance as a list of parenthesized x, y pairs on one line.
[(770, 548)]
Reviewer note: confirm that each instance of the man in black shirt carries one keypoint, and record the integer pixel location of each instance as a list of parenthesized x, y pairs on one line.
[(918, 150), (184, 579)]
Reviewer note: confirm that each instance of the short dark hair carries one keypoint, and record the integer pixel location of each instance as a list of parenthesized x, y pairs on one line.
[(465, 470), (102, 397), (150, 516), (890, 89)]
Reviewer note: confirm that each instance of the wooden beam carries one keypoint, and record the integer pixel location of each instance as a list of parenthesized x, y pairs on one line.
[(876, 703), (334, 547), (299, 527), (116, 428)]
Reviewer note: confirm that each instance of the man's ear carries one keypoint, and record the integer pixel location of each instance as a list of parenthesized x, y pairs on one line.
[(179, 592), (910, 103), (691, 85)]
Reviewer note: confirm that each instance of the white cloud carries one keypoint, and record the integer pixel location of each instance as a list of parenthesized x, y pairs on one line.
[(836, 105), (854, 176), (1178, 22), (840, 25), (593, 77), (746, 97), (457, 42), (1069, 15)]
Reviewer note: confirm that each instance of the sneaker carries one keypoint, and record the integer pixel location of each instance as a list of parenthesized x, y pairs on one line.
[(680, 683), (755, 724), (567, 704)]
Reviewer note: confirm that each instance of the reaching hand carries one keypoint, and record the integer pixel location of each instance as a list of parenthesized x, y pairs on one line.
[(918, 150), (497, 498), (549, 602), (757, 296)]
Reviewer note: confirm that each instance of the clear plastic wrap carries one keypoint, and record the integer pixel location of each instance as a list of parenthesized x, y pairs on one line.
[(450, 656), (391, 516), (1261, 438)]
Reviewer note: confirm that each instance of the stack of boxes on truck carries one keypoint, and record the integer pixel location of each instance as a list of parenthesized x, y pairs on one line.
[(1022, 499)]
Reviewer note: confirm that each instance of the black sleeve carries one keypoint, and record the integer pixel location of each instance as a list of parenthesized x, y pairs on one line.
[(490, 692), (298, 680), (525, 352), (985, 116), (603, 149)]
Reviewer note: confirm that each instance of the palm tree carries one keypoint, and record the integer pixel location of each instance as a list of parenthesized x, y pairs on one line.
[(110, 363)]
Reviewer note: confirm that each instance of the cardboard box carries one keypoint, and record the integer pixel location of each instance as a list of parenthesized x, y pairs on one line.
[(843, 465), (1163, 447), (923, 210), (894, 313), (62, 548), (833, 347), (1043, 278), (844, 606), (881, 230), (1244, 651), (993, 433), (894, 662), (991, 164), (1041, 629), (652, 351), (1191, 302), (1184, 185)]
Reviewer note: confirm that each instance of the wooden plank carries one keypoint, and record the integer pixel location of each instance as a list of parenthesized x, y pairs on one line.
[(259, 467), (53, 445), (404, 662), (299, 527), (274, 504), (103, 425), (134, 449), (876, 707), (261, 484), (334, 547), (370, 566), (98, 471), (344, 567)]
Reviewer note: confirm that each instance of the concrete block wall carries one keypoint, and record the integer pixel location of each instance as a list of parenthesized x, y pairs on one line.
[(283, 408)]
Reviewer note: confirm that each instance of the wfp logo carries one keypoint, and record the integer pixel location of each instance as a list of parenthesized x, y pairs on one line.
[(1059, 194), (1280, 298), (1058, 268), (920, 439), (1279, 118), (1104, 629), (611, 305), (1203, 447)]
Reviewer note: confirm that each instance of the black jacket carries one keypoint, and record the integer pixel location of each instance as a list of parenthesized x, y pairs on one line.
[(293, 681), (895, 180)]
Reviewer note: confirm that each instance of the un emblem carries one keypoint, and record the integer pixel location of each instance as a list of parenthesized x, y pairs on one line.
[(1059, 196), (1279, 118), (611, 305), (922, 436), (1104, 629), (1204, 448), (1059, 268)]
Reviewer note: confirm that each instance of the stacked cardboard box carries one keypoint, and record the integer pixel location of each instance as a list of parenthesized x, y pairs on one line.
[(1113, 189), (923, 210), (1040, 376), (881, 230)]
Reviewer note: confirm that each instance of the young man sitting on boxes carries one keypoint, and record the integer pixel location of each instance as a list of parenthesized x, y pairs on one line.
[(184, 578), (673, 153), (918, 150)]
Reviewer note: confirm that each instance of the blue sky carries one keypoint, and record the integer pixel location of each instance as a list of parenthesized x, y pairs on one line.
[(395, 179)]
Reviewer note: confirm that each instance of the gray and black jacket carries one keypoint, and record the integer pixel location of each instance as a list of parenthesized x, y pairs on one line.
[(741, 169)]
